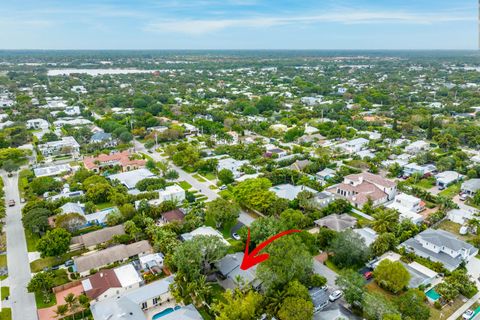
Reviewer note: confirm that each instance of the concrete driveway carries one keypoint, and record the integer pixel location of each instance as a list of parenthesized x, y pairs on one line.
[(473, 268), (324, 271)]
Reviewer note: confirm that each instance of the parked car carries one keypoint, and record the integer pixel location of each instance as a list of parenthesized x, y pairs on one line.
[(69, 263), (463, 197), (467, 314), (441, 187), (335, 295), (22, 200), (236, 236), (368, 275), (11, 203), (224, 187)]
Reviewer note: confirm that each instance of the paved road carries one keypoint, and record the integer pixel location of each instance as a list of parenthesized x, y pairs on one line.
[(203, 187), (22, 303)]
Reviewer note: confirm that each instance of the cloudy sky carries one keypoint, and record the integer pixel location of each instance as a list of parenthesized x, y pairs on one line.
[(238, 24)]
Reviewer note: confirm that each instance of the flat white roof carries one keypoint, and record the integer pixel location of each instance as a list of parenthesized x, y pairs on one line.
[(127, 275)]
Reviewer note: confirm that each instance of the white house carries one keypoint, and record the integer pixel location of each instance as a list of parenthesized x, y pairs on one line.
[(37, 124), (172, 193), (417, 146), (413, 168), (446, 178), (408, 206), (460, 216), (289, 191), (441, 246), (232, 165), (67, 145), (354, 145), (108, 283)]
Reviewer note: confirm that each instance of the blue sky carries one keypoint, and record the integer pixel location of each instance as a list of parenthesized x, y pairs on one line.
[(238, 24)]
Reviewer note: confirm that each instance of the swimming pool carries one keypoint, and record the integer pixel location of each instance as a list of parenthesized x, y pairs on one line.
[(432, 294), (165, 312)]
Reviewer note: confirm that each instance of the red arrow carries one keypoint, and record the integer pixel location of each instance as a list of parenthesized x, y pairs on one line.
[(252, 258)]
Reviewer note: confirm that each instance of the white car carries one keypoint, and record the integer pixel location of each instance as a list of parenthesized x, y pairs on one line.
[(463, 197), (335, 295), (236, 236), (467, 314)]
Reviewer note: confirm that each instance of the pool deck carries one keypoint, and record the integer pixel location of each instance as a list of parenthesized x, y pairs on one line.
[(153, 311)]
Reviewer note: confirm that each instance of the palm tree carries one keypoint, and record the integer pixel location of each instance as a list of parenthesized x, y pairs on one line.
[(72, 303), (84, 302), (61, 310), (200, 290), (385, 220)]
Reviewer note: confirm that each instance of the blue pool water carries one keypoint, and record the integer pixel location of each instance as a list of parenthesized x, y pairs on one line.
[(432, 294), (165, 312)]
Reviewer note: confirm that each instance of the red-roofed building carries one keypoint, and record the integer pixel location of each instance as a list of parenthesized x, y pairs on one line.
[(121, 159)]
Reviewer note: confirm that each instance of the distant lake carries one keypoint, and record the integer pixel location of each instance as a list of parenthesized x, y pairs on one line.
[(97, 72)]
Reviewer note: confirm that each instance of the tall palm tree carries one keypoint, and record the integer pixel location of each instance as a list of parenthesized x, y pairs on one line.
[(84, 302), (61, 310), (385, 220), (72, 303)]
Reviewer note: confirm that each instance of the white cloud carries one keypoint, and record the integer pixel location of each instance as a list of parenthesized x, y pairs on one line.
[(202, 26)]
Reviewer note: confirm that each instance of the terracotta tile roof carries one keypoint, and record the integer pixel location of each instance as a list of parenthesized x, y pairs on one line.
[(372, 178), (122, 158), (101, 282), (174, 215)]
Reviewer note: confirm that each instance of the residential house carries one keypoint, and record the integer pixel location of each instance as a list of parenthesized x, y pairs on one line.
[(408, 206), (94, 218), (423, 170), (122, 159), (92, 239), (111, 282), (152, 262), (272, 150), (289, 191), (229, 272), (417, 146), (232, 165), (367, 234), (460, 216), (311, 101), (326, 174), (52, 170), (337, 222), (353, 146), (130, 178), (470, 187), (172, 193), (65, 146), (441, 246), (359, 188), (172, 216), (99, 259), (136, 304), (203, 231), (323, 199), (103, 138), (446, 178), (74, 122), (419, 274), (37, 124), (300, 165)]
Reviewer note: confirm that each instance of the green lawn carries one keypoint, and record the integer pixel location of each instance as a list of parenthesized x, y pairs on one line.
[(185, 185), (451, 191), (3, 260), (210, 176), (446, 311), (5, 292), (39, 300), (6, 314), (104, 205), (212, 187), (199, 178), (454, 228), (425, 184), (40, 264), (332, 266), (32, 240)]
